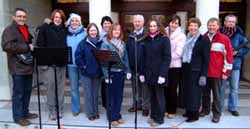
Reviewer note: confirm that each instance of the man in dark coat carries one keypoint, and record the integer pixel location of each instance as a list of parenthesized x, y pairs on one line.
[(16, 40), (135, 47)]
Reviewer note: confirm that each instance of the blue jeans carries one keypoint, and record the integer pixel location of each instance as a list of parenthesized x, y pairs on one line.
[(74, 77), (233, 90), (91, 89), (22, 87)]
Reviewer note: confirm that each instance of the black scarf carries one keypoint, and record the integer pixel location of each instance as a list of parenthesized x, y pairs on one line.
[(228, 31), (93, 40)]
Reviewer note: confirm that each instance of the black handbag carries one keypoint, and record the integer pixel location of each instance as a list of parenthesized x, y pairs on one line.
[(25, 58)]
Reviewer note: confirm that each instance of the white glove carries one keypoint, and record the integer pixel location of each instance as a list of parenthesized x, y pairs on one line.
[(31, 47), (142, 78), (128, 75), (108, 81), (161, 80)]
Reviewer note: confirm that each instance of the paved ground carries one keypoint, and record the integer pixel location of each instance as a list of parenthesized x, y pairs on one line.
[(81, 122)]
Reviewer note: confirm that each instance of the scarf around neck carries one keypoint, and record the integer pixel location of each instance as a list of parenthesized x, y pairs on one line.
[(93, 40), (188, 47), (153, 34), (24, 31), (118, 44), (77, 30), (228, 31)]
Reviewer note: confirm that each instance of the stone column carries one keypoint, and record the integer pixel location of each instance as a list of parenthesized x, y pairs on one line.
[(98, 9), (205, 9), (248, 18), (5, 88)]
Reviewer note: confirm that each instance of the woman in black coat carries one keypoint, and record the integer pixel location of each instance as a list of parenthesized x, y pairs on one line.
[(195, 65), (54, 36), (157, 61)]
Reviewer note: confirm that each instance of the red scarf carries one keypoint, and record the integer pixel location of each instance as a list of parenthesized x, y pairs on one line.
[(24, 31), (153, 34)]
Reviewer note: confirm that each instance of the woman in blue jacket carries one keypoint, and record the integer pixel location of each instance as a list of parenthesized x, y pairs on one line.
[(75, 35), (90, 70), (115, 43)]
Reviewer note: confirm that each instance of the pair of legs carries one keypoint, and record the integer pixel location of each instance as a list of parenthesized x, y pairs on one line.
[(233, 91), (171, 96), (91, 87)]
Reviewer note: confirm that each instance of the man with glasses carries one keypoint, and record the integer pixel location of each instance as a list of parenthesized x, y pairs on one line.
[(17, 40)]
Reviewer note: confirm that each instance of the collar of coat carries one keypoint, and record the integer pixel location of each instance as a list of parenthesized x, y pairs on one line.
[(17, 27), (141, 36)]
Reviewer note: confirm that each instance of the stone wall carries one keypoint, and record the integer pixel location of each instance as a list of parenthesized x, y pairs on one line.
[(37, 11)]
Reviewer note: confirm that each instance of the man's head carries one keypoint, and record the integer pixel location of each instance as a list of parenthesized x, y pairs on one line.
[(138, 21), (230, 21), (213, 25), (20, 16)]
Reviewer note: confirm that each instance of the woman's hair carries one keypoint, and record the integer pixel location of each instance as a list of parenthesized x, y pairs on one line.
[(160, 27), (112, 28), (106, 18), (61, 14), (194, 20), (89, 26), (175, 17)]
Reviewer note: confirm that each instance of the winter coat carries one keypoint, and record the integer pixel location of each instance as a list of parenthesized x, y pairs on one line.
[(200, 56), (86, 60), (52, 37), (157, 59), (177, 41), (13, 43), (236, 39), (108, 46), (221, 56), (136, 41), (73, 40)]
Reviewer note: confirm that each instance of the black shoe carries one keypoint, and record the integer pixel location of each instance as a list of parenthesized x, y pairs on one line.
[(216, 120), (132, 109), (234, 113), (202, 114), (190, 120), (31, 116), (184, 115)]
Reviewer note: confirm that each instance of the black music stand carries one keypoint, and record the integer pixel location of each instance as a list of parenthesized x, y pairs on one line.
[(109, 59), (51, 57)]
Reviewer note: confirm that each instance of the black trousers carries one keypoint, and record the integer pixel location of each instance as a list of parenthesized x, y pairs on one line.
[(192, 90), (213, 84), (171, 97), (157, 103)]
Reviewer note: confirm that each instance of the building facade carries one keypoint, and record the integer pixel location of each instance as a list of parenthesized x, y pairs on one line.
[(120, 11)]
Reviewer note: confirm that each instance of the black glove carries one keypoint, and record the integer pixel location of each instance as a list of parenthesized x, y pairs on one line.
[(202, 81)]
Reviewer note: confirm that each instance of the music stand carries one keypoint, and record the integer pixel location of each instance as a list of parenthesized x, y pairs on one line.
[(109, 59), (51, 57)]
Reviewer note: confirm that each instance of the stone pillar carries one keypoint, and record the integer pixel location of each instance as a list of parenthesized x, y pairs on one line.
[(248, 18), (98, 9), (5, 88), (205, 9), (115, 17)]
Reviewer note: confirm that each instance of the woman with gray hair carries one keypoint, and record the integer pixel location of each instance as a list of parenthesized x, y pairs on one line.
[(194, 65)]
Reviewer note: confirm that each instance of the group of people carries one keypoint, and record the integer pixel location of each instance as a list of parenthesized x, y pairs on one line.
[(159, 62)]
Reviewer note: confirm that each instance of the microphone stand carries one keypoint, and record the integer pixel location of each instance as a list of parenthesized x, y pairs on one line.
[(136, 82)]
